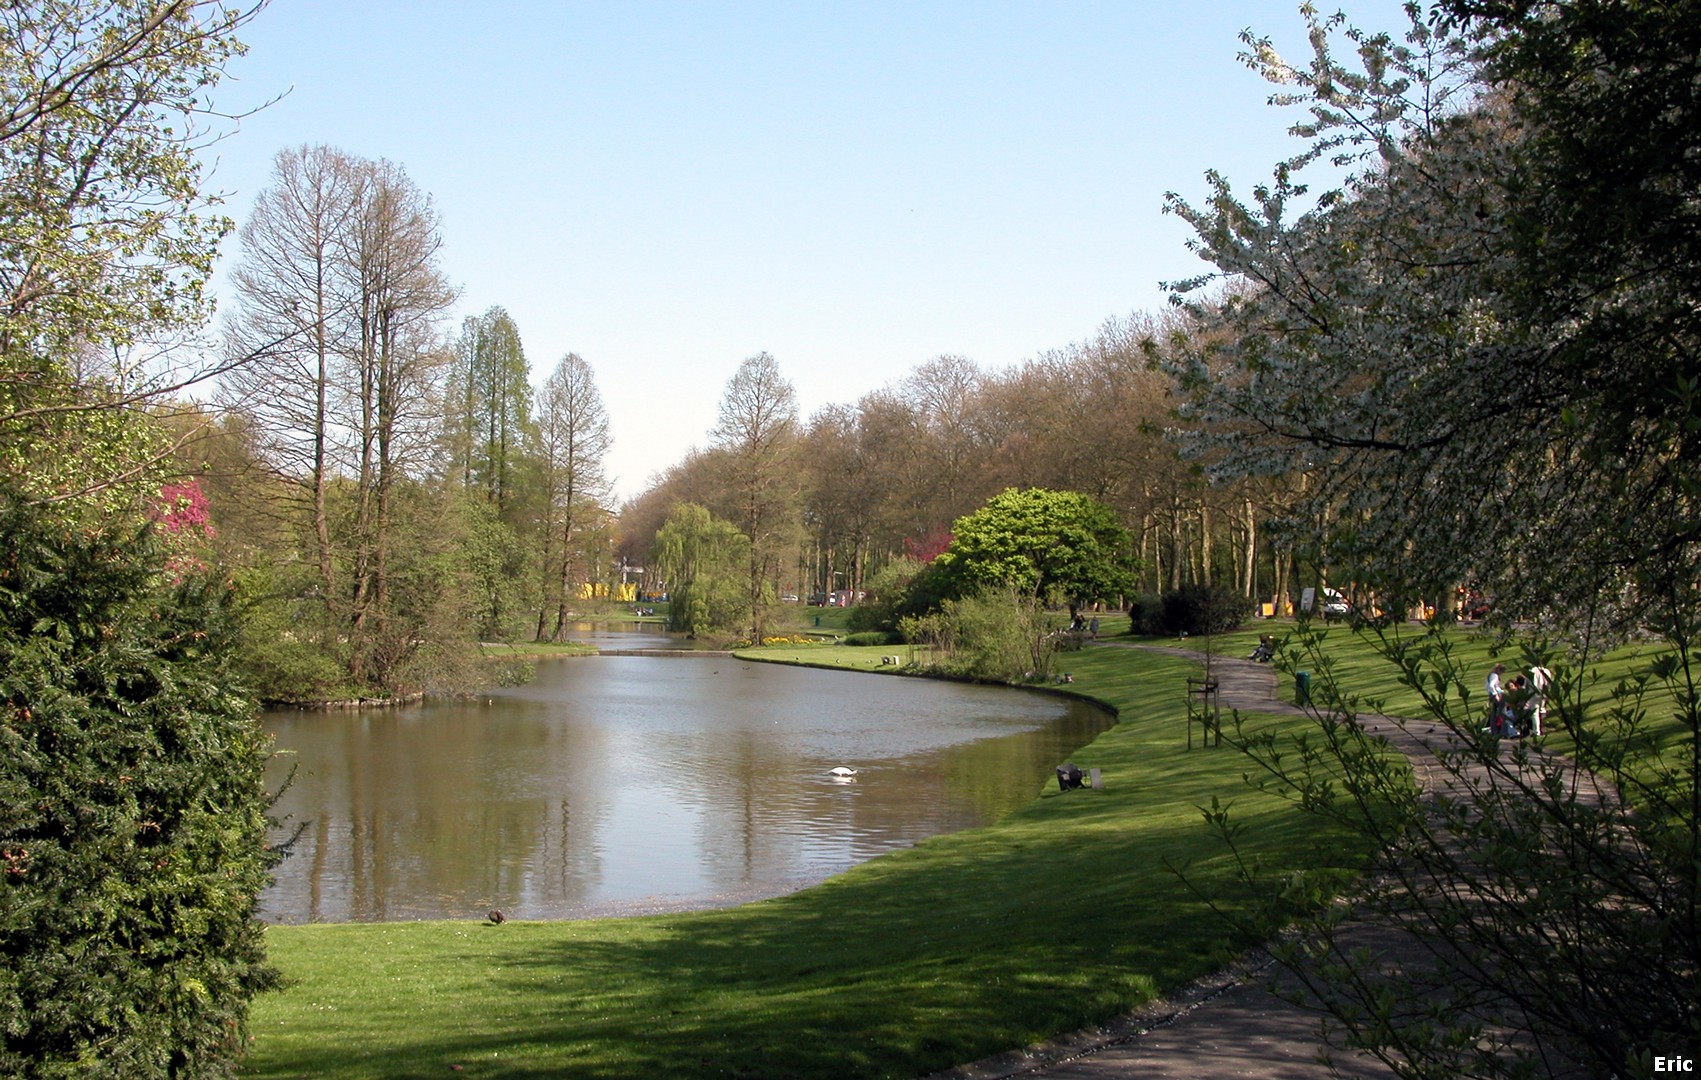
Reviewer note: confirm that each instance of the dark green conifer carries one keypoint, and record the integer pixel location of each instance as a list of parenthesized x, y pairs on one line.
[(132, 811)]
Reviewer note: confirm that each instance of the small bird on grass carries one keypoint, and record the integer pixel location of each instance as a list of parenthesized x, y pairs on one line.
[(496, 917)]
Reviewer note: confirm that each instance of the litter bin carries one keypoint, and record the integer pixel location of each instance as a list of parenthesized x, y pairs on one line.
[(1302, 688)]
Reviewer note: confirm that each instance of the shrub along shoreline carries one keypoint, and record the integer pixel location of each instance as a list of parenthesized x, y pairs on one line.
[(1064, 914)]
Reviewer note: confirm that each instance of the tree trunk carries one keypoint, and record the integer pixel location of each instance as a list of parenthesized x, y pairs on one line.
[(1250, 558), (1205, 544)]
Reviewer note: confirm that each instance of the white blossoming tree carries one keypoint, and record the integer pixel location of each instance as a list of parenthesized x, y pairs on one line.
[(1480, 354)]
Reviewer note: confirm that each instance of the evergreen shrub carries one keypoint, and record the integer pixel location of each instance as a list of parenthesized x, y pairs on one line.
[(1203, 609), (1191, 609), (132, 812), (1146, 615), (874, 637)]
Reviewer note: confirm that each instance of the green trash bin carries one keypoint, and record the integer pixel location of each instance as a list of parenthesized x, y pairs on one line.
[(1302, 688)]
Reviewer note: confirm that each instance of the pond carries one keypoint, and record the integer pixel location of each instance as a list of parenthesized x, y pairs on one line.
[(630, 784)]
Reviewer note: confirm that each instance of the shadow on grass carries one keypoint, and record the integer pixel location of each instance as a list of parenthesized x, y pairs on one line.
[(1061, 915)]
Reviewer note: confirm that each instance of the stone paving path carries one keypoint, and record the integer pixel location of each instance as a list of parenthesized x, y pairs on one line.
[(1229, 1024)]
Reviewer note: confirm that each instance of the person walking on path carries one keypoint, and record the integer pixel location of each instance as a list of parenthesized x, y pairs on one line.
[(1236, 1023), (1540, 679), (1496, 697)]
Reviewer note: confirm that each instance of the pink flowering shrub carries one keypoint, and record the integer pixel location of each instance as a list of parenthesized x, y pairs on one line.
[(929, 547), (185, 525), (182, 508)]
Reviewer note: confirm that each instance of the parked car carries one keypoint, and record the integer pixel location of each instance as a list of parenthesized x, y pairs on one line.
[(1335, 605)]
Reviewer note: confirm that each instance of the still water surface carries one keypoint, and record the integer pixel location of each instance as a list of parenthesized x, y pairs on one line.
[(624, 784)]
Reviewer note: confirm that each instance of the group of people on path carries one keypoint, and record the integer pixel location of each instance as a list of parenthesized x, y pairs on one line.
[(1517, 708)]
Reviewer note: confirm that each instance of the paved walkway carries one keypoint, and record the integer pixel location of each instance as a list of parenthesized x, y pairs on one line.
[(1229, 1024)]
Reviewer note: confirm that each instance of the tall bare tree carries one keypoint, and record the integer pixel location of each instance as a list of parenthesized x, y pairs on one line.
[(293, 306), (398, 359), (573, 441), (338, 301), (757, 430), (845, 492)]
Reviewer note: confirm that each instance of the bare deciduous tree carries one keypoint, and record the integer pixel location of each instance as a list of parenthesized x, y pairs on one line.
[(574, 440), (757, 429), (338, 301)]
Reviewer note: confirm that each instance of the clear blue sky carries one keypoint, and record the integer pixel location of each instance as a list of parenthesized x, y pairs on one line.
[(668, 188)]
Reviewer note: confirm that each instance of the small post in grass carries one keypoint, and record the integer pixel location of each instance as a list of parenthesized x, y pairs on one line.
[(1203, 708)]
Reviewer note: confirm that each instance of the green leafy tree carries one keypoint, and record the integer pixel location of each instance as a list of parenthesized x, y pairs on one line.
[(1043, 543), (703, 561), (132, 812), (494, 560), (106, 239), (490, 395), (275, 658)]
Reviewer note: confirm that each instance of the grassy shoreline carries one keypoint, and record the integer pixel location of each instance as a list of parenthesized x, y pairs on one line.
[(1061, 915)]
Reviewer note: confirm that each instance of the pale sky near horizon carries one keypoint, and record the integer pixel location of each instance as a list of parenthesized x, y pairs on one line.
[(856, 188)]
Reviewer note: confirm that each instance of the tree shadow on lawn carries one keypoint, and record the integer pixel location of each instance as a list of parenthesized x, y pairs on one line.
[(944, 953), (1062, 915)]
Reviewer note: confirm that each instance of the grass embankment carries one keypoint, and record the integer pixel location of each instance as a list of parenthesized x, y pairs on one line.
[(1062, 914), (534, 650)]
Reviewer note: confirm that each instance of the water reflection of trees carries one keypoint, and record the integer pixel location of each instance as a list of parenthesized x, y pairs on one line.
[(546, 805)]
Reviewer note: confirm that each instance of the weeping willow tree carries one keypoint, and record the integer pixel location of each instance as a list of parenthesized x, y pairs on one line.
[(703, 560)]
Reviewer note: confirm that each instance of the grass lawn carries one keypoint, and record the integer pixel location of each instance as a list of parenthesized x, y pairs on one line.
[(533, 650), (1363, 673), (1063, 914), (809, 619)]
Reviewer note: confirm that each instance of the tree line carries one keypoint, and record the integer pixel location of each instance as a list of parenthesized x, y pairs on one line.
[(1474, 360), (392, 492), (855, 488)]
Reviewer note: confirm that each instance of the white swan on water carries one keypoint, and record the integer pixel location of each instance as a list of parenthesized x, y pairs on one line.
[(841, 773)]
